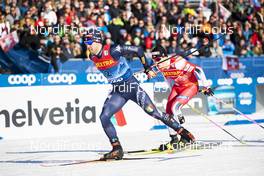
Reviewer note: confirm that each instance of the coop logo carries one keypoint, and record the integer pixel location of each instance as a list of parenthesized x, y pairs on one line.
[(260, 80), (206, 83), (225, 82), (247, 81), (245, 98), (96, 78), (141, 77), (237, 75), (62, 78), (160, 87), (22, 79)]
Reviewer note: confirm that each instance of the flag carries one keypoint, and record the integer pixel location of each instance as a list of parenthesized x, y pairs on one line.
[(8, 41), (224, 12), (4, 29), (230, 63), (119, 118)]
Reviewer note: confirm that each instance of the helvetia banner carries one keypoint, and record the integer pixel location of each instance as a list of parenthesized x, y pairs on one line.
[(44, 111)]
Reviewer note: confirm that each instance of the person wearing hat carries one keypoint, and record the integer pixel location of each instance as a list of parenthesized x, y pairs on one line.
[(184, 86), (111, 62)]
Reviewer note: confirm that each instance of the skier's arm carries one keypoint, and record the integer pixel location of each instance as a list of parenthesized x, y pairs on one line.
[(127, 49), (206, 90), (200, 74)]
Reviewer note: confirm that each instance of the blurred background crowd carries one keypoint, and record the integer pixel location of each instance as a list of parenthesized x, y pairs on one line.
[(137, 22)]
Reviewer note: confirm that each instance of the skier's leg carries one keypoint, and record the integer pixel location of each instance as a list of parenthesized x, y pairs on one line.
[(174, 106), (143, 100), (171, 99), (169, 110), (183, 97), (113, 104), (173, 134), (179, 101)]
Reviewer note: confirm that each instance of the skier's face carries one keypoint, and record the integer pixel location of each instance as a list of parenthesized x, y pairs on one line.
[(164, 63), (156, 58), (94, 47)]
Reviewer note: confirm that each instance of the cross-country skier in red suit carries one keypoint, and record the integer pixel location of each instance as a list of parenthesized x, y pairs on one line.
[(183, 78)]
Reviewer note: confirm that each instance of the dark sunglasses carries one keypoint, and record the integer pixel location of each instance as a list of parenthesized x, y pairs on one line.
[(156, 58), (88, 41)]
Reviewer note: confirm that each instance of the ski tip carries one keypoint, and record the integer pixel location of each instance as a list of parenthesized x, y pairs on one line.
[(102, 159), (109, 159), (243, 142)]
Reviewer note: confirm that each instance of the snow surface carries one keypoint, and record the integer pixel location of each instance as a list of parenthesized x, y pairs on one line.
[(28, 157)]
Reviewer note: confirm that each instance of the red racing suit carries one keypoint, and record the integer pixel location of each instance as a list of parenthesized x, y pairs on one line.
[(185, 83)]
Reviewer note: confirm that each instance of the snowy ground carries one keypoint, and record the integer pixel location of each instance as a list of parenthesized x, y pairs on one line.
[(28, 157)]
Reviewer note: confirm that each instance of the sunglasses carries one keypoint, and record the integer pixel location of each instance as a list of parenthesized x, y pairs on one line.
[(88, 41), (156, 58)]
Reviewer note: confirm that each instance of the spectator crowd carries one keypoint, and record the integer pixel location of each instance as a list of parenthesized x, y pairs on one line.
[(143, 23)]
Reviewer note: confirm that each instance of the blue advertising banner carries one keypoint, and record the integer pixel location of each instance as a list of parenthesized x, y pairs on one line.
[(245, 95), (239, 91), (225, 94), (20, 80)]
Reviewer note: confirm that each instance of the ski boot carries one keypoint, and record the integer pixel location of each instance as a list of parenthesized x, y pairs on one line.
[(186, 136), (116, 153), (173, 144)]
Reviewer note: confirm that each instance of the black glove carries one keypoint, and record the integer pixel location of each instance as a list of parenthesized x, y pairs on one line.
[(150, 73), (207, 91), (147, 70), (181, 119)]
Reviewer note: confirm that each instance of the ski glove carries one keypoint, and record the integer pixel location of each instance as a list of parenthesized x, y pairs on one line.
[(207, 91), (150, 73)]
